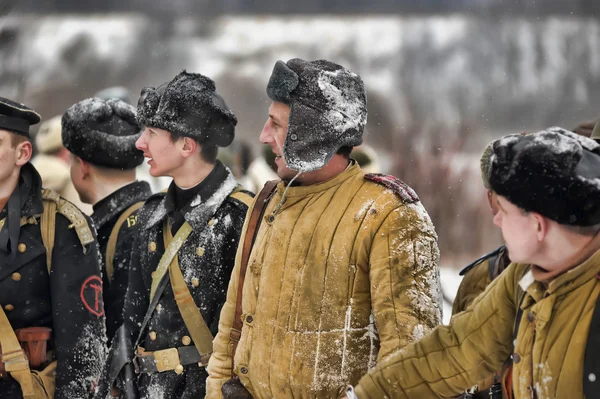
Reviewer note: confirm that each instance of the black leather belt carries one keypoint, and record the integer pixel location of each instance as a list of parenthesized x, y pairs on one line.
[(168, 359)]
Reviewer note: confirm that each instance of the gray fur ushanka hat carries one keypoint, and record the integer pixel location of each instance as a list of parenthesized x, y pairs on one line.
[(554, 172), (102, 132), (328, 110), (188, 106)]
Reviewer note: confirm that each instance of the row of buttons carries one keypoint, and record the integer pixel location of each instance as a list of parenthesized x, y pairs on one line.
[(185, 340)]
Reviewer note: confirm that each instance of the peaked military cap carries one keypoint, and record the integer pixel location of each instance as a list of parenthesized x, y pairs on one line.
[(16, 117)]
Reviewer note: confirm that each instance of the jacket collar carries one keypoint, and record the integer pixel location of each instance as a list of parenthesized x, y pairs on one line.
[(31, 178), (566, 282), (204, 205), (301, 191), (114, 204)]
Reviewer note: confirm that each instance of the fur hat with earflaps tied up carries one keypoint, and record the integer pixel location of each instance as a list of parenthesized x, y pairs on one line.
[(554, 172), (188, 106), (102, 132), (328, 110)]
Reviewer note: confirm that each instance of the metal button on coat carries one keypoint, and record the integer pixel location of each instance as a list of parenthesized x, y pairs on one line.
[(293, 136), (152, 246), (211, 222), (195, 282), (22, 247), (244, 370), (530, 316), (592, 377), (199, 251), (179, 369), (186, 340), (16, 276), (9, 307), (516, 357), (249, 319), (152, 335)]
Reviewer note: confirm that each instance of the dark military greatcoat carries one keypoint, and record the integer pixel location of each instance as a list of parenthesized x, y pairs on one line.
[(105, 216), (68, 299), (206, 260)]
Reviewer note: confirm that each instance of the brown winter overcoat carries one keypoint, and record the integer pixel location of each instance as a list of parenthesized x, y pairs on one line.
[(550, 344), (345, 274)]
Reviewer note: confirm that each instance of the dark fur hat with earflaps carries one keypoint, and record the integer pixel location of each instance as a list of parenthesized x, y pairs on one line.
[(554, 172), (188, 106), (328, 110), (102, 132)]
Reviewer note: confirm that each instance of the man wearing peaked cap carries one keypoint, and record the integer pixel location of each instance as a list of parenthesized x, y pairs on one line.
[(543, 309), (50, 293), (184, 252), (337, 253), (100, 136)]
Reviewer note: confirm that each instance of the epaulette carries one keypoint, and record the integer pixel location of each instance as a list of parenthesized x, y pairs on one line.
[(244, 196), (73, 214), (402, 189), (479, 260)]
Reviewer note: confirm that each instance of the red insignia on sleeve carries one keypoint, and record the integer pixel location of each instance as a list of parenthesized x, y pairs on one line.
[(91, 295)]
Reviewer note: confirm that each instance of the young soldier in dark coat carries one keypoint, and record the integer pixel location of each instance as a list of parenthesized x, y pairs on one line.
[(101, 136), (49, 277), (184, 123)]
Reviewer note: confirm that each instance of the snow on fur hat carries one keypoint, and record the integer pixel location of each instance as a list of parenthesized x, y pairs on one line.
[(102, 132), (328, 110), (188, 106), (554, 172)]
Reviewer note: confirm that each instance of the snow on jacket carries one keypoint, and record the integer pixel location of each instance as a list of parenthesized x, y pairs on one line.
[(549, 351), (344, 274), (206, 260)]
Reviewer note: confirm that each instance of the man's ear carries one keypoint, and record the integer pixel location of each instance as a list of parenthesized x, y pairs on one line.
[(85, 167), (541, 224), (24, 152), (189, 147)]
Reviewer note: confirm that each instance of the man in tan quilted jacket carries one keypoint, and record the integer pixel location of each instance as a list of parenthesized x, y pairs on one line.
[(344, 268), (548, 187)]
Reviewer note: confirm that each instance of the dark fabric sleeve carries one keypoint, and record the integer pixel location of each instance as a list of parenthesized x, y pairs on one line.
[(115, 300), (78, 313), (229, 252)]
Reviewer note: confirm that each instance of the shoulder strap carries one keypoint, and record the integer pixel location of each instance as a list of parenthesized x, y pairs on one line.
[(403, 190), (111, 246), (190, 313), (239, 194), (170, 253), (591, 364), (47, 228), (255, 218), (14, 358)]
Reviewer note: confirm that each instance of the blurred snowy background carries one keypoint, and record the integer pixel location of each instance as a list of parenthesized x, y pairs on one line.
[(444, 77)]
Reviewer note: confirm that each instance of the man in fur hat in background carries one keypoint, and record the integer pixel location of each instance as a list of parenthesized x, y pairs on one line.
[(50, 284), (344, 268), (543, 309), (52, 163), (183, 257), (100, 136)]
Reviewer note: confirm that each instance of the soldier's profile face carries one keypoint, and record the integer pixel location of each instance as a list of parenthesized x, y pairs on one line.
[(9, 156), (519, 230), (274, 133), (163, 154)]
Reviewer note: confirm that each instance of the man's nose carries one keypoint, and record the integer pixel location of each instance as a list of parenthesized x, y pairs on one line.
[(140, 143)]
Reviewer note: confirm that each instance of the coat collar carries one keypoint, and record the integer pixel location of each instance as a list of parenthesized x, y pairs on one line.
[(204, 205), (31, 179), (114, 204), (301, 191)]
